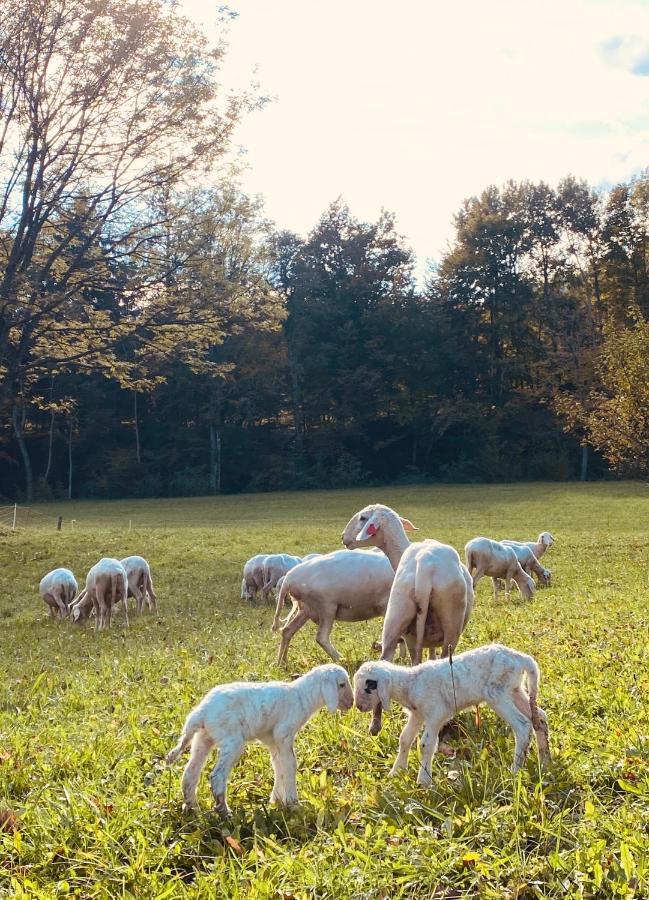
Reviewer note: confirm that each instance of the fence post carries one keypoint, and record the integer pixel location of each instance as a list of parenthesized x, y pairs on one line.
[(59, 523), (13, 527)]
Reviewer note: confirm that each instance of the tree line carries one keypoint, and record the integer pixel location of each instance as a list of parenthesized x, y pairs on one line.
[(158, 336)]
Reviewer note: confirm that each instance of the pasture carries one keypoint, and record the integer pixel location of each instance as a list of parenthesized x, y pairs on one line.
[(85, 718)]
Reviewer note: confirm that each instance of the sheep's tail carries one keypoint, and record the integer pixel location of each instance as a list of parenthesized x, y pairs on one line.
[(469, 560), (281, 597), (193, 723), (533, 675), (424, 574)]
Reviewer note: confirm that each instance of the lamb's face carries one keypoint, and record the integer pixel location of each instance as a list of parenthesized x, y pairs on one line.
[(345, 694), (546, 539), (366, 688), (546, 578)]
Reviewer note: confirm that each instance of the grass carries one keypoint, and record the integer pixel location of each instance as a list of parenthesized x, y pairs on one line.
[(85, 718)]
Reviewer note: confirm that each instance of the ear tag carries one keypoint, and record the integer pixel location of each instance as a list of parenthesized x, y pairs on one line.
[(371, 529)]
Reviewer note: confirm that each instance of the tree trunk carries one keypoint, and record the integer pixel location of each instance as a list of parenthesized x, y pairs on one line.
[(49, 447), (584, 463), (19, 430), (215, 460), (70, 460), (137, 429)]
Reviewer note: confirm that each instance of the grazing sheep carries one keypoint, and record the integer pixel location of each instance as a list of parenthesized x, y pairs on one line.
[(230, 715), (253, 577), (529, 562), (140, 586), (343, 586), (431, 598), (57, 589), (487, 557), (434, 691), (275, 566), (106, 585)]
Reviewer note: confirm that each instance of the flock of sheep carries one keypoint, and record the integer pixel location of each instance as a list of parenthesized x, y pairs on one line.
[(426, 595)]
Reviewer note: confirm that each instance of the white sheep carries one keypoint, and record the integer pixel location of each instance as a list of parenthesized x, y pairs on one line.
[(106, 585), (342, 586), (253, 577), (275, 566), (140, 585), (435, 691), (431, 596), (538, 547), (231, 715), (57, 589), (487, 557), (529, 562)]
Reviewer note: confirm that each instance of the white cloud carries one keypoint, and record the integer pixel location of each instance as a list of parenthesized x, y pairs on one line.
[(415, 107)]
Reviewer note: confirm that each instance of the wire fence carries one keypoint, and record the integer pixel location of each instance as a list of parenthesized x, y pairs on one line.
[(15, 516)]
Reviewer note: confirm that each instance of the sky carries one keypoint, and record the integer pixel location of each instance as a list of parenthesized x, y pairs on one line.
[(416, 105)]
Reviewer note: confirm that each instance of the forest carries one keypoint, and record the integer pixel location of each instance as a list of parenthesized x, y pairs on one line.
[(160, 337)]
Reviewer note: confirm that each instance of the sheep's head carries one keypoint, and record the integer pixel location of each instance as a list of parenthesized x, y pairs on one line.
[(336, 688), (546, 578), (367, 526), (525, 584), (372, 687), (546, 539)]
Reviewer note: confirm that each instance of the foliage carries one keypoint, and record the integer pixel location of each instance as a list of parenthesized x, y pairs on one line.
[(85, 719)]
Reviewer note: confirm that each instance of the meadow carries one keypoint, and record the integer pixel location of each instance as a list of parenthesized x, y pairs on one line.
[(90, 810)]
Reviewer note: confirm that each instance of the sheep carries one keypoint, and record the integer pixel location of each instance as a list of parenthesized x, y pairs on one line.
[(253, 577), (435, 691), (432, 597), (230, 715), (275, 566), (106, 585), (538, 547), (529, 562), (140, 586), (487, 557), (343, 586), (57, 589)]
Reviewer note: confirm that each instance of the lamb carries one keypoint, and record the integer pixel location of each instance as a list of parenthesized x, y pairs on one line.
[(275, 566), (538, 547), (140, 586), (57, 589), (106, 585), (487, 557), (434, 691), (529, 562), (343, 586), (230, 715), (253, 577)]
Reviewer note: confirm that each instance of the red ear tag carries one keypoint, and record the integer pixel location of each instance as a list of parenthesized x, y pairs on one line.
[(371, 530)]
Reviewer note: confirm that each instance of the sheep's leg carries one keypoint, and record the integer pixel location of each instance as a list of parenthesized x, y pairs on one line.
[(323, 637), (496, 586), (522, 702), (152, 599), (126, 610), (201, 748), (406, 738), (287, 633), (60, 602), (519, 722), (285, 768), (476, 578), (427, 748), (229, 753), (139, 598), (51, 609), (99, 605)]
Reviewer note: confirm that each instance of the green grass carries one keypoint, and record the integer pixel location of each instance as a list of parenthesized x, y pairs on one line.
[(85, 718)]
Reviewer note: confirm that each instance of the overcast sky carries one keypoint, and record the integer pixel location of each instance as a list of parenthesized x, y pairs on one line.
[(415, 105)]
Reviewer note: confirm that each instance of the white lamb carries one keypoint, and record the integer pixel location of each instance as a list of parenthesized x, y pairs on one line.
[(487, 557), (433, 693), (275, 566), (273, 712), (106, 585), (253, 577), (57, 589), (529, 562), (140, 585)]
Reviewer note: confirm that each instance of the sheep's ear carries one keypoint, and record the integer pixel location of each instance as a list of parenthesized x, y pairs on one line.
[(383, 690), (330, 692), (407, 524)]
